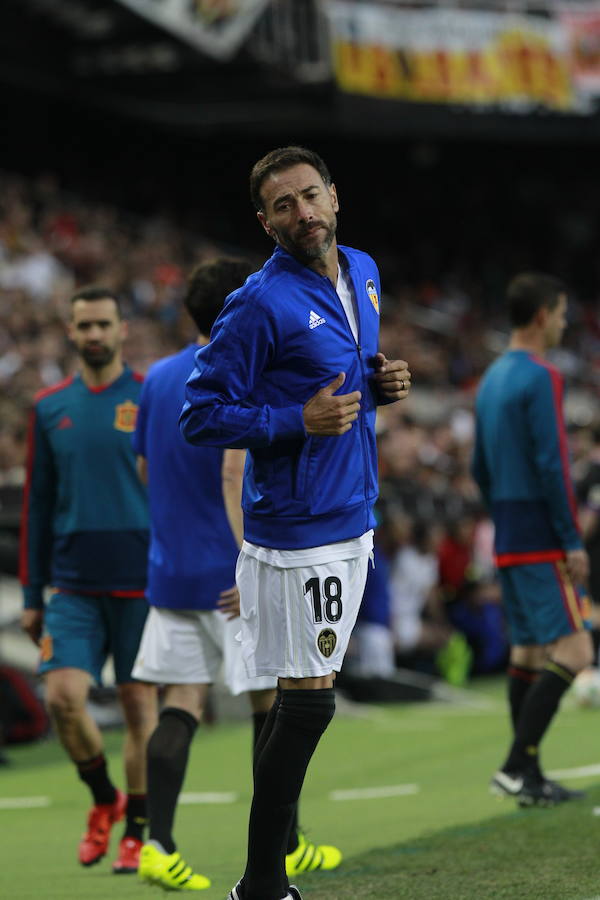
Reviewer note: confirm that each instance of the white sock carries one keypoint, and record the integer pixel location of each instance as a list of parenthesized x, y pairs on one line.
[(157, 846)]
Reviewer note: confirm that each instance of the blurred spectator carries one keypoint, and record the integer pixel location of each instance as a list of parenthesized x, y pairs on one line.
[(423, 635), (477, 612), (587, 486), (22, 714), (372, 651), (471, 592)]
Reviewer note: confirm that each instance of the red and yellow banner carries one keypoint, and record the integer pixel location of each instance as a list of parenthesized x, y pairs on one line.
[(461, 57), (582, 28)]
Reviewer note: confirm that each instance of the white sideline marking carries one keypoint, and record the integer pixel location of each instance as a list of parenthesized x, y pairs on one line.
[(581, 772), (227, 797), (23, 802), (385, 722), (395, 790)]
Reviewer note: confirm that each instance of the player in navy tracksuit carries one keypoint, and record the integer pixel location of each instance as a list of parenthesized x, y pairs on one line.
[(85, 532), (521, 465), (269, 380)]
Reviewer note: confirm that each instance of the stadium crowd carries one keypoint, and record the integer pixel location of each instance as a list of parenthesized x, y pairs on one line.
[(435, 536)]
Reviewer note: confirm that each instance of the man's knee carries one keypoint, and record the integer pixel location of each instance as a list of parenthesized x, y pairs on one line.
[(140, 705), (307, 710), (66, 694), (576, 651), (530, 656), (172, 737)]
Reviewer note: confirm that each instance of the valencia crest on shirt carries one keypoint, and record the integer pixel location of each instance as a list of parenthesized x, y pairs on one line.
[(125, 416), (372, 292)]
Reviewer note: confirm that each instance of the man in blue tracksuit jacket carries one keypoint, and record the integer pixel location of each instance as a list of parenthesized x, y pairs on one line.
[(287, 341), (522, 467)]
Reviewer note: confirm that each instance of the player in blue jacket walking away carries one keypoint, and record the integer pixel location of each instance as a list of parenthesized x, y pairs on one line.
[(85, 531), (522, 468), (269, 380)]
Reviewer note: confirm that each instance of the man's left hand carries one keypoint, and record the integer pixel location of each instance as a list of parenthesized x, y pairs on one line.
[(229, 603), (392, 377)]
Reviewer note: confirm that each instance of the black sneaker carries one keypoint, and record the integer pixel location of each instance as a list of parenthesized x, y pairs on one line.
[(545, 793), (507, 784), (565, 794), (237, 893)]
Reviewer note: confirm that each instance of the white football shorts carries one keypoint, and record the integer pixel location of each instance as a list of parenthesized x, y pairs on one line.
[(297, 621), (188, 646)]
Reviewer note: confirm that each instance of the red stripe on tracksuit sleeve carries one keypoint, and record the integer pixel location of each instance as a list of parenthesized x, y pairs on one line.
[(557, 397)]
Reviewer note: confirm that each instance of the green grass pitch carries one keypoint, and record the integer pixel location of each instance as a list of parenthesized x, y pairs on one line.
[(429, 829)]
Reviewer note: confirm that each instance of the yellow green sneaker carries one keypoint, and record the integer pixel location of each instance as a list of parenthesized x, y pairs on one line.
[(169, 871), (308, 857)]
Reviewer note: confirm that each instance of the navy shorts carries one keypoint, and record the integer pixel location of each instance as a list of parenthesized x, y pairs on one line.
[(542, 604), (80, 631)]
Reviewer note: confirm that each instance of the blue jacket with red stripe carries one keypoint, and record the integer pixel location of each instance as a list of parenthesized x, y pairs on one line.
[(85, 512), (521, 460)]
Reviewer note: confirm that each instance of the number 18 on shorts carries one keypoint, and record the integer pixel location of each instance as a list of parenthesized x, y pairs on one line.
[(297, 621)]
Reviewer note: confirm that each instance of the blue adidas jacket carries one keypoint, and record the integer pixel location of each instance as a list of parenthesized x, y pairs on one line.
[(521, 460), (282, 337)]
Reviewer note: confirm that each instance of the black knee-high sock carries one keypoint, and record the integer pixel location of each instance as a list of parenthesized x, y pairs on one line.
[(94, 773), (259, 720), (301, 719), (258, 723), (137, 816), (520, 679), (261, 737), (537, 711), (167, 756), (292, 841)]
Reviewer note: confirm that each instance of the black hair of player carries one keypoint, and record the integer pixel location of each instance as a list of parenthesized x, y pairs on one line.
[(530, 291), (208, 286), (278, 161), (97, 292)]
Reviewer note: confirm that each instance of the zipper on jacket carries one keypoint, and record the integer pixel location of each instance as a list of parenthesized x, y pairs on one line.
[(357, 344)]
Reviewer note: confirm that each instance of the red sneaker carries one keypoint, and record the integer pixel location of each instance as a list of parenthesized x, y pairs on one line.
[(128, 859), (102, 817)]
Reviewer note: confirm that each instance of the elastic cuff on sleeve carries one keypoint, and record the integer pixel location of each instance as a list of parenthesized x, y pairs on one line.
[(33, 598), (286, 423)]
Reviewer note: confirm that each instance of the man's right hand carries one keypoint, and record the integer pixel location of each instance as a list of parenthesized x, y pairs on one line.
[(32, 621), (326, 414), (578, 566)]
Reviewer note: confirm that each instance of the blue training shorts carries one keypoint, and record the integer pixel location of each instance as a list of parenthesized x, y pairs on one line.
[(542, 604), (80, 631)]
